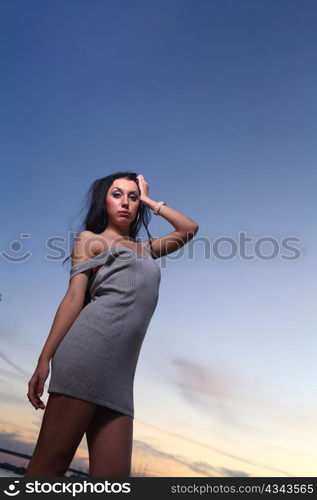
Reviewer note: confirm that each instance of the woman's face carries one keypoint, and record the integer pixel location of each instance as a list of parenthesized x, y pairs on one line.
[(123, 195)]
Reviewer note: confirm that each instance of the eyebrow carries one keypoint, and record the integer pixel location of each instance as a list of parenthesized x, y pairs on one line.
[(121, 189)]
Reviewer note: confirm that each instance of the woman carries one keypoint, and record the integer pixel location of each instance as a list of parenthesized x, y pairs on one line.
[(111, 297)]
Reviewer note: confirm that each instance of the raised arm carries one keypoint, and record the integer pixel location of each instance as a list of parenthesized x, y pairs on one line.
[(185, 230)]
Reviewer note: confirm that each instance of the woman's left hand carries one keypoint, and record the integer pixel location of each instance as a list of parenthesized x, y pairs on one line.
[(144, 187)]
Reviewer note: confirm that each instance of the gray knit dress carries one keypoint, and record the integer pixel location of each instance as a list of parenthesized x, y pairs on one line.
[(97, 358)]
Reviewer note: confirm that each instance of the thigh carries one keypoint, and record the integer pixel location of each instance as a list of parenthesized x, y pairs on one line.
[(110, 438), (64, 423)]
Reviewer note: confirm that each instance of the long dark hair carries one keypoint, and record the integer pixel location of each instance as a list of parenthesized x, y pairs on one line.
[(95, 217)]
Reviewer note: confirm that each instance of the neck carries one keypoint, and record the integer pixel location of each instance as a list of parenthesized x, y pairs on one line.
[(115, 233)]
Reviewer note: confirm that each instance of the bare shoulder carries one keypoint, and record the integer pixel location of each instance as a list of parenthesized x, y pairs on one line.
[(83, 247), (82, 251), (87, 234)]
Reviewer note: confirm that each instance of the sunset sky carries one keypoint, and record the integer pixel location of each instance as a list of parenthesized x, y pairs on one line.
[(214, 102)]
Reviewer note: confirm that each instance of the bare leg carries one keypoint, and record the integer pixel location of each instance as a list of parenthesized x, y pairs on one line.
[(109, 439), (64, 423)]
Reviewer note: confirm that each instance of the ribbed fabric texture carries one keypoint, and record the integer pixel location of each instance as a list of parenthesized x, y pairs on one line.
[(96, 360)]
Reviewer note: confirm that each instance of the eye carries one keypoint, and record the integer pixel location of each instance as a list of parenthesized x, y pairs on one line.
[(134, 197)]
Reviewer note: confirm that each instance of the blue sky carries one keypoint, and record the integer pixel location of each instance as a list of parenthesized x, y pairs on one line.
[(214, 102)]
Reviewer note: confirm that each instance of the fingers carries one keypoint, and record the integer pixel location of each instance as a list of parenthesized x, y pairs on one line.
[(144, 184), (40, 392), (35, 391), (40, 387)]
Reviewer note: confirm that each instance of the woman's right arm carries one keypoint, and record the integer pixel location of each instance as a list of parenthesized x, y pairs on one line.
[(67, 312), (74, 299)]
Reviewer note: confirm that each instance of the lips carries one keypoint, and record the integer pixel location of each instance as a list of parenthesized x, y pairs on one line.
[(124, 213)]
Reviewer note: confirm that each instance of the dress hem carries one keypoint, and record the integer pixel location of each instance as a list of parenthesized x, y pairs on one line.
[(93, 400)]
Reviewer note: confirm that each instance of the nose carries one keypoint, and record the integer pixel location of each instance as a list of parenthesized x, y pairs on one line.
[(125, 203)]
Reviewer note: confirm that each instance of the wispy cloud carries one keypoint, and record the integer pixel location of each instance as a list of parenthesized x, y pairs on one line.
[(222, 393), (202, 468), (13, 364), (222, 452)]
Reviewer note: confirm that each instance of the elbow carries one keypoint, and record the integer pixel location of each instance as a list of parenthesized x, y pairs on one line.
[(194, 229), (189, 233)]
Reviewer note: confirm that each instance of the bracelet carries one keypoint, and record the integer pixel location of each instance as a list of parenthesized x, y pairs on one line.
[(158, 206)]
